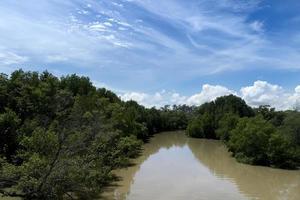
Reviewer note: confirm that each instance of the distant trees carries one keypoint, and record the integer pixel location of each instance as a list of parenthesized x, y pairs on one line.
[(196, 128), (259, 136), (257, 141), (202, 127), (226, 124), (210, 114), (175, 118)]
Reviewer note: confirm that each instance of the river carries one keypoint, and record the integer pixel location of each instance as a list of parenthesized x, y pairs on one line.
[(175, 167)]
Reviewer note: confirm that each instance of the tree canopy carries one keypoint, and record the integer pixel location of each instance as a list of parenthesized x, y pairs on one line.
[(260, 136), (62, 137)]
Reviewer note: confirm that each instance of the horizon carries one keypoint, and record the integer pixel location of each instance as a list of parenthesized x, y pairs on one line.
[(173, 52)]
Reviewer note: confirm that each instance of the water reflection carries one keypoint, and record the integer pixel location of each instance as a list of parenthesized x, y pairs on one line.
[(176, 167)]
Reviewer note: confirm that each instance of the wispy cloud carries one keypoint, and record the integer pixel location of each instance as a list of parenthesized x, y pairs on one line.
[(9, 58), (134, 41)]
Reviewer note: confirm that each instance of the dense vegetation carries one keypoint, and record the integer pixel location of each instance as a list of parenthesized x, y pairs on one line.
[(259, 136), (62, 137)]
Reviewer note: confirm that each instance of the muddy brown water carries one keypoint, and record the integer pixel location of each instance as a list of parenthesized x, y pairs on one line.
[(175, 167)]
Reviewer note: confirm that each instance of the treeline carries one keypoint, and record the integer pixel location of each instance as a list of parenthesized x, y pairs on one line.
[(62, 137), (260, 136)]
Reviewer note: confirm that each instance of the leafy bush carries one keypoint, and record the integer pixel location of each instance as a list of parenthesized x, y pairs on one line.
[(257, 141), (195, 129), (249, 140), (227, 123), (261, 136)]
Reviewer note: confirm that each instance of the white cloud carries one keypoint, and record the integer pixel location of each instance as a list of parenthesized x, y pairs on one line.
[(176, 98), (117, 4), (157, 99), (139, 97), (294, 99), (108, 24), (237, 43), (125, 44), (83, 12), (97, 27), (208, 93), (263, 93), (257, 26), (260, 93)]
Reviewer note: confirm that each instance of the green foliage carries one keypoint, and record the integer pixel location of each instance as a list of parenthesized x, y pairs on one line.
[(261, 136), (269, 114), (227, 123), (256, 141), (195, 128), (112, 97), (129, 146), (282, 153), (232, 104), (63, 137), (3, 91), (211, 117), (249, 140), (291, 126), (227, 104), (9, 122), (60, 162), (77, 85), (175, 118), (202, 127)]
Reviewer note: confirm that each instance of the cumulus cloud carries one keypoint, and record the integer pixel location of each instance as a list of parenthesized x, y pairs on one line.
[(294, 99), (157, 99), (208, 93), (139, 97), (263, 93), (260, 93)]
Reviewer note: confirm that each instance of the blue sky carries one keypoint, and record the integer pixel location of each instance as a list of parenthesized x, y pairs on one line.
[(161, 51)]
